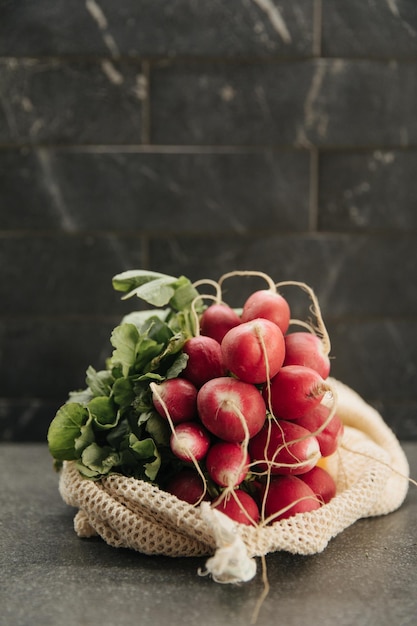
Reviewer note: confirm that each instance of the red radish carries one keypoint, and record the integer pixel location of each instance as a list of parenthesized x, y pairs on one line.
[(217, 320), (294, 390), (227, 463), (254, 351), (285, 448), (303, 348), (269, 305), (186, 485), (190, 441), (250, 513), (329, 438), (287, 496), (321, 483), (205, 360), (179, 396), (231, 409)]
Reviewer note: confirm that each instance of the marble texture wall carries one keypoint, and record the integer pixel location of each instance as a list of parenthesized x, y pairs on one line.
[(194, 137)]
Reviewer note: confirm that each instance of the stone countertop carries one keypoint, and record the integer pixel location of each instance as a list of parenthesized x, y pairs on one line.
[(48, 576)]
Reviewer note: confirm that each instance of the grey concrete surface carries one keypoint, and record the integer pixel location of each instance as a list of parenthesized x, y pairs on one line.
[(48, 576)]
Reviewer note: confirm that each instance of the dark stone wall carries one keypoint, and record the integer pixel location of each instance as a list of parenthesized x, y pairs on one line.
[(194, 137)]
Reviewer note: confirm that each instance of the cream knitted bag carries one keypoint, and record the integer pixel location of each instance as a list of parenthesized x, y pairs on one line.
[(371, 473)]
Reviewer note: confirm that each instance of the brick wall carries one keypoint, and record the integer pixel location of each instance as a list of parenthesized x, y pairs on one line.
[(194, 137)]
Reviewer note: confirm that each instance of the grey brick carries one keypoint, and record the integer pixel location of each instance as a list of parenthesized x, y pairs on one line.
[(316, 102), (62, 101), (353, 276), (377, 358), (154, 193), (368, 190), (365, 28), (64, 275), (46, 358), (253, 104), (157, 27), (71, 275)]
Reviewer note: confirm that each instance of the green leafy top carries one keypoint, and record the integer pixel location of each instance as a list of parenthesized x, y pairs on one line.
[(156, 289), (111, 425)]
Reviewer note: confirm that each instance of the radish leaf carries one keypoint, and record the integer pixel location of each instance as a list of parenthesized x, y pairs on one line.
[(65, 429)]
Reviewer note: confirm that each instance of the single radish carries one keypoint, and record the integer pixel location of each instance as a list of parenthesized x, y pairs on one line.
[(227, 463), (205, 360), (254, 351), (284, 448), (178, 397), (231, 409), (304, 348), (269, 305), (287, 496), (217, 320), (190, 441), (187, 485), (331, 435), (294, 390), (240, 507), (321, 483)]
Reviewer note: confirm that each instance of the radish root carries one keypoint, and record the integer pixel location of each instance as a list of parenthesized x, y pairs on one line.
[(194, 314), (268, 279), (315, 309)]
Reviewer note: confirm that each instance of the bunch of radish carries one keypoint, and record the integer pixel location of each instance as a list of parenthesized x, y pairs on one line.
[(253, 414)]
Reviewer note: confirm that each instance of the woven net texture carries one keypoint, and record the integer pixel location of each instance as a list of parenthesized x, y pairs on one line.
[(370, 469)]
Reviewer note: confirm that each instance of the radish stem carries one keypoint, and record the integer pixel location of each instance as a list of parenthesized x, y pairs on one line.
[(324, 335), (267, 278)]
